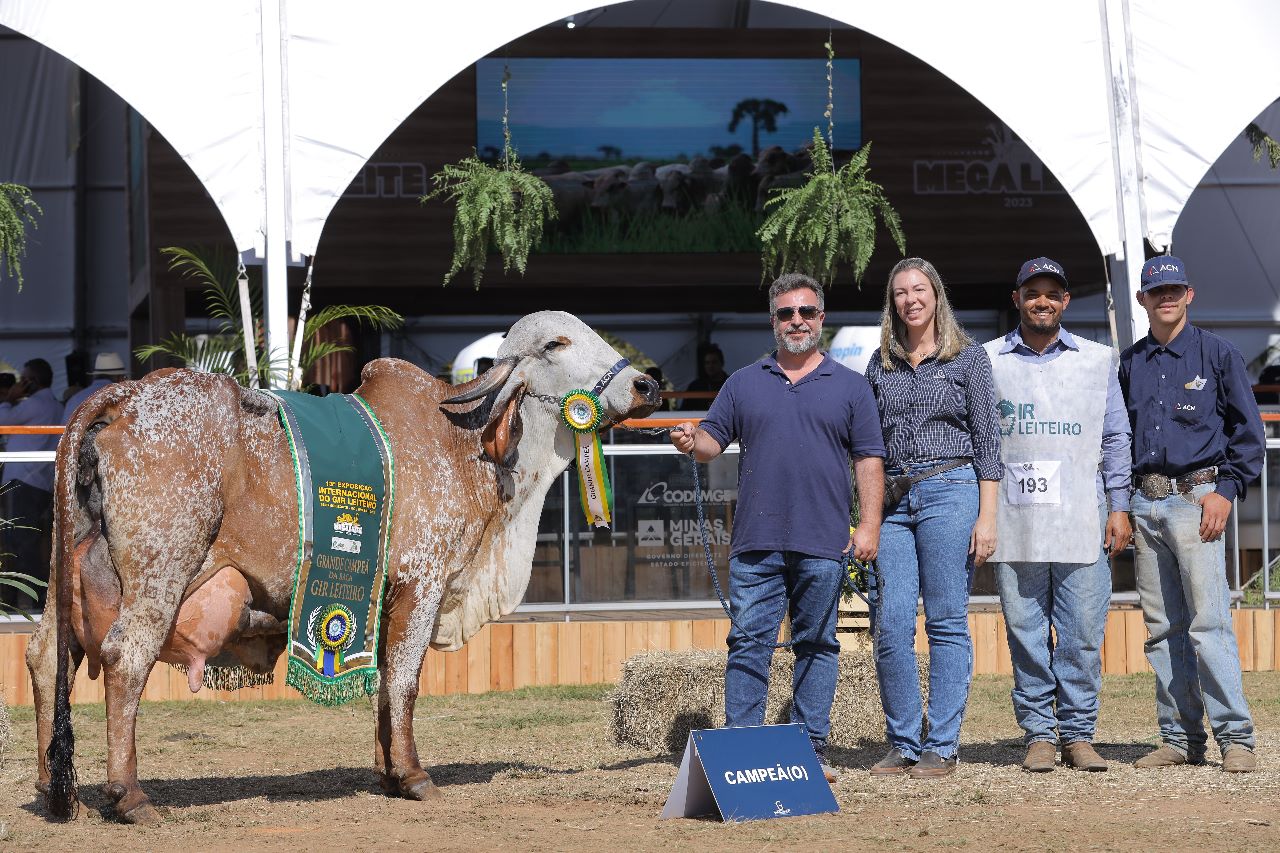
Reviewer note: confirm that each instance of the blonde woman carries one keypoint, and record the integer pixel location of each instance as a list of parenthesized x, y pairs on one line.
[(934, 389)]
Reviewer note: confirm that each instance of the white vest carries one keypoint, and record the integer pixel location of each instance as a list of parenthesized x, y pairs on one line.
[(1051, 444)]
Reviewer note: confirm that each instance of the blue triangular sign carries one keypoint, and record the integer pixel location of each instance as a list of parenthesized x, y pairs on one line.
[(749, 773)]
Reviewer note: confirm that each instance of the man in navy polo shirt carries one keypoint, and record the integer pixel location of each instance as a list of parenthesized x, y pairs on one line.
[(799, 417), (1197, 444)]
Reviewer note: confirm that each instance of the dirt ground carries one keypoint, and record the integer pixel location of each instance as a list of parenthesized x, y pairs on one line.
[(537, 770)]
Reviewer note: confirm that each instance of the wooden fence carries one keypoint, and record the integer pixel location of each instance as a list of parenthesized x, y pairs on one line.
[(505, 656)]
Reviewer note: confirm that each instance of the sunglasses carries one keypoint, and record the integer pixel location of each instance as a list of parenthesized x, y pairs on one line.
[(807, 312)]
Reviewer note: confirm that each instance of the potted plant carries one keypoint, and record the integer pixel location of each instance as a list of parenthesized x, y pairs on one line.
[(500, 208), (831, 219)]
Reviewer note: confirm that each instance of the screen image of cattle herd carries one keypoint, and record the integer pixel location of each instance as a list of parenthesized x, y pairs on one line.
[(663, 155)]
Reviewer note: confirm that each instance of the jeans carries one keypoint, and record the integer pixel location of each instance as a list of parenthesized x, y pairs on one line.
[(1073, 598), (924, 553), (1191, 645), (760, 585)]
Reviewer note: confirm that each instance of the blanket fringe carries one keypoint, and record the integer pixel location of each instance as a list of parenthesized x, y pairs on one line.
[(331, 691), (231, 677)]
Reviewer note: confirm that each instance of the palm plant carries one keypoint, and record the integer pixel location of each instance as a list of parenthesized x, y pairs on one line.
[(831, 219), (17, 211), (223, 351), (502, 207), (23, 583)]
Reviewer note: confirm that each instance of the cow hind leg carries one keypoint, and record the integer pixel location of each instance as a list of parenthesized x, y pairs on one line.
[(128, 655), (407, 636)]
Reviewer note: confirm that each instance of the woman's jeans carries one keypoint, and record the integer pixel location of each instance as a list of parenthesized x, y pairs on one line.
[(761, 583), (924, 553), (1191, 645)]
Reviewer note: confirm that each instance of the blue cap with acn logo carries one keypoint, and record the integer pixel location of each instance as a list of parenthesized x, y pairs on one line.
[(1165, 269), (1041, 266)]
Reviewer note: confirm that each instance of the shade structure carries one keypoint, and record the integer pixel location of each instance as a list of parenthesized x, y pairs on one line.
[(277, 104)]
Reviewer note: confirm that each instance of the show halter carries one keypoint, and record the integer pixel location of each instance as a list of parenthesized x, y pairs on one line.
[(583, 413)]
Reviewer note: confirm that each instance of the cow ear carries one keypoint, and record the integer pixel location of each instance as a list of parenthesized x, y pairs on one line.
[(501, 435)]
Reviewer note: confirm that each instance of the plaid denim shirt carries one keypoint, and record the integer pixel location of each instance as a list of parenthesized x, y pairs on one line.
[(939, 410)]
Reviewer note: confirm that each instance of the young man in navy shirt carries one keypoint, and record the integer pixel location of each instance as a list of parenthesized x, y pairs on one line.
[(1197, 444), (799, 417)]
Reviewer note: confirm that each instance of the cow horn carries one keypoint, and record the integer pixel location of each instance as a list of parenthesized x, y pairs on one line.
[(486, 383)]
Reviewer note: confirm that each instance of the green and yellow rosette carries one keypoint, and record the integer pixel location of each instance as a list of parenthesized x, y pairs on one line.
[(583, 413)]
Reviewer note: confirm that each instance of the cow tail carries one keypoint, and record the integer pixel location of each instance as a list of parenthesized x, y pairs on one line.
[(62, 799)]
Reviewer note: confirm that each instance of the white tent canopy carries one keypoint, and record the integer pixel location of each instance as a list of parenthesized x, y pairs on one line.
[(276, 105)]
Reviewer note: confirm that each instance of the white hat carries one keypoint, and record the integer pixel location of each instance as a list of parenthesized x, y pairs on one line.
[(108, 364)]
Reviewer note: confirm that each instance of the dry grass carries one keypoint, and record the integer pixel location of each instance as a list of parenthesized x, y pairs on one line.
[(538, 769), (664, 695)]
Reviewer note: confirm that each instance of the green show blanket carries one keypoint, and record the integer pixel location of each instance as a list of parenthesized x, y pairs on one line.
[(345, 474)]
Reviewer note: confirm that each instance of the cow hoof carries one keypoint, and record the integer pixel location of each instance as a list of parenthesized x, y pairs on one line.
[(143, 814), (132, 806), (390, 785), (42, 787), (424, 791)]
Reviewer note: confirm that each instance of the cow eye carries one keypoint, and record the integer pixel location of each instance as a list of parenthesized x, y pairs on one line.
[(553, 345)]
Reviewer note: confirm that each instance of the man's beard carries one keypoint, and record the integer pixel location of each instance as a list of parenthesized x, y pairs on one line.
[(800, 347), (1043, 327)]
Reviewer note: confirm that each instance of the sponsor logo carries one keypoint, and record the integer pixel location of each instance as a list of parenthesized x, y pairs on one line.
[(348, 523), (1154, 268), (1045, 268), (349, 546), (1196, 384), (659, 493), (651, 532), (1020, 418)]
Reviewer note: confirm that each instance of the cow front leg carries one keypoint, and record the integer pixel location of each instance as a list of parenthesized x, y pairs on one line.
[(407, 636), (128, 654)]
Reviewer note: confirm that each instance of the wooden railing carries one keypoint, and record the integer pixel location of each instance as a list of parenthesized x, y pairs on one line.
[(505, 656)]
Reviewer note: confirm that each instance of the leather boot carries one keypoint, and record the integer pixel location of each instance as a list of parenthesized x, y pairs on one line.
[(1239, 759), (1166, 756), (1042, 755), (1082, 756)]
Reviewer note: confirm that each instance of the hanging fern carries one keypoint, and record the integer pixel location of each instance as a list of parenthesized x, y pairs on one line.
[(17, 209), (1263, 143), (501, 207), (829, 221)]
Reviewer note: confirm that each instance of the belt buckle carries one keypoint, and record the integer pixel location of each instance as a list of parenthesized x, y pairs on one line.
[(1156, 486)]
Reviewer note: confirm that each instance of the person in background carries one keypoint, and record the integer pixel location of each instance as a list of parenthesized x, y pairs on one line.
[(800, 418), (107, 368), (1066, 452), (28, 487), (1198, 442), (711, 376), (937, 408)]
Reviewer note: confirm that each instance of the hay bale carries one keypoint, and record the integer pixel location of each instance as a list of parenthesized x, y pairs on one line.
[(662, 696), (6, 730)]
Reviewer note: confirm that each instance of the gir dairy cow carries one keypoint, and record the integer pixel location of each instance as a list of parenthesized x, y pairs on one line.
[(176, 532)]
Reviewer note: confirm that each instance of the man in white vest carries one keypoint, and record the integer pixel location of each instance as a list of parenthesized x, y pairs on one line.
[(1065, 443)]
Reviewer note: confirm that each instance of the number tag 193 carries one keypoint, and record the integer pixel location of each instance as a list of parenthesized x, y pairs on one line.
[(1033, 483)]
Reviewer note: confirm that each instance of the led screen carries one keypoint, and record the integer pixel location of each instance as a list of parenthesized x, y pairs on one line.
[(663, 155)]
